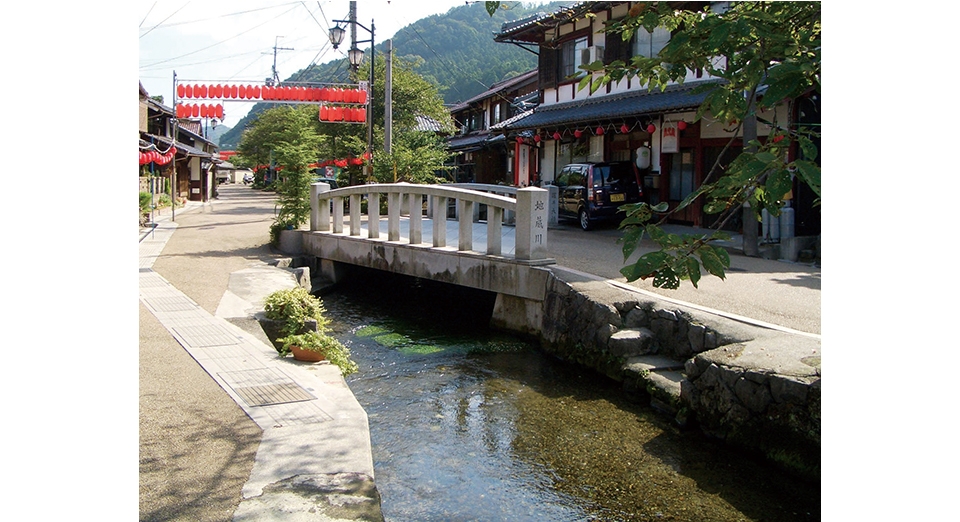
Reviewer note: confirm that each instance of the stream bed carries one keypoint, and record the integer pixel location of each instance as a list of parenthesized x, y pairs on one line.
[(470, 424)]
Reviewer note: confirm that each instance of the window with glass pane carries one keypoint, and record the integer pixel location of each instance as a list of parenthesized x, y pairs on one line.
[(681, 176), (571, 63), (648, 44)]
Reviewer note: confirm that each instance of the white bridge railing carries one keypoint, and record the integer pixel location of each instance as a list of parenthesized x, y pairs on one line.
[(530, 208)]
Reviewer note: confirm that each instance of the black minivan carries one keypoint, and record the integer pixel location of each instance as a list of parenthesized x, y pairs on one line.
[(594, 191)]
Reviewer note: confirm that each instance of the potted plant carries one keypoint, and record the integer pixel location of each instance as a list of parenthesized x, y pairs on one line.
[(314, 346), (294, 310)]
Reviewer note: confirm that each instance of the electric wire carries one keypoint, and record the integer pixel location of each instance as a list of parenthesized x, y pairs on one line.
[(164, 20), (218, 43)]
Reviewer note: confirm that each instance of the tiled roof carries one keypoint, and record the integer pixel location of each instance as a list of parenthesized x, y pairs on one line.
[(470, 141), (616, 107)]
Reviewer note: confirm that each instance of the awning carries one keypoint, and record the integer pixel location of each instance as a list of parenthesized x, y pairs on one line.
[(614, 107)]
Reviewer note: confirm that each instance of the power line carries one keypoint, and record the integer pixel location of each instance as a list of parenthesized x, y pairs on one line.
[(218, 43), (218, 17), (164, 20)]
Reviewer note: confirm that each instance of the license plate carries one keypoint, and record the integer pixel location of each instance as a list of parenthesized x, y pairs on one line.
[(616, 197)]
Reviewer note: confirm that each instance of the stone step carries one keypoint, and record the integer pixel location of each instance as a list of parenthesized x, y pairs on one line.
[(630, 342), (660, 377), (651, 363)]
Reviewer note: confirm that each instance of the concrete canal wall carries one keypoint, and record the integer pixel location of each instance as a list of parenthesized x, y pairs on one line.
[(755, 388)]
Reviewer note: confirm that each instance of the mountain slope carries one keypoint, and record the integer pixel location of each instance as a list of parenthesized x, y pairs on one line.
[(457, 51)]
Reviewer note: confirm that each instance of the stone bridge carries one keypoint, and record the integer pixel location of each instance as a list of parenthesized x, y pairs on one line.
[(462, 236)]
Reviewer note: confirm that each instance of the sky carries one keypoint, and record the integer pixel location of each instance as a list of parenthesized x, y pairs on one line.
[(232, 42)]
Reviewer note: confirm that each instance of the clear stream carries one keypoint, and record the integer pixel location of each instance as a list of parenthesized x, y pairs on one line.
[(469, 424)]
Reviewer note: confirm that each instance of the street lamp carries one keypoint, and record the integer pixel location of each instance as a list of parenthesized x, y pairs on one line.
[(355, 56), (336, 35)]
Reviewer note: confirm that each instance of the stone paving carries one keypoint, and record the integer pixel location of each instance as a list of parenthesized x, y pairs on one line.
[(314, 429)]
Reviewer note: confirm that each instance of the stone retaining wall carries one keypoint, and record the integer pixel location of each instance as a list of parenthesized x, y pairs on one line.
[(755, 388)]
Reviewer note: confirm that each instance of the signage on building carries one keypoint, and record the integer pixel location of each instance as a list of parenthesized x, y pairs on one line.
[(670, 137)]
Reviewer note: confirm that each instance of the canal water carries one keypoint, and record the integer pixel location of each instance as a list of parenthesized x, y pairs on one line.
[(469, 424)]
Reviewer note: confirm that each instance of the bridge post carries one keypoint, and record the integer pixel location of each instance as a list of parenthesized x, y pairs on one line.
[(393, 216), (338, 215), (319, 214), (439, 221), (355, 215), (465, 219), (415, 202), (532, 217), (373, 215), (494, 230)]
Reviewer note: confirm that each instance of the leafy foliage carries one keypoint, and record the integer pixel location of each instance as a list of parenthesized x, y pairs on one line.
[(292, 307), (331, 348), (766, 54)]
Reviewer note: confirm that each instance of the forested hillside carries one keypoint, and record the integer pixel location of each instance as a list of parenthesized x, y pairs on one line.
[(457, 51)]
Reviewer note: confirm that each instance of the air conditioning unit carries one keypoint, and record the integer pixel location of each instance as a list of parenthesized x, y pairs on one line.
[(591, 54)]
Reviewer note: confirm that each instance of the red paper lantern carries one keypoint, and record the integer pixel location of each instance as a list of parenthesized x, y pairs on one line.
[(519, 139), (324, 113), (363, 97), (203, 110), (599, 131), (363, 115), (181, 90), (234, 91), (681, 125), (220, 111), (577, 133), (536, 138), (651, 128), (256, 91), (195, 110), (203, 91), (188, 92), (556, 135), (216, 91), (624, 129)]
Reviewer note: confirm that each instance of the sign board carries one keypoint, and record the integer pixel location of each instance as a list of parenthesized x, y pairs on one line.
[(669, 137)]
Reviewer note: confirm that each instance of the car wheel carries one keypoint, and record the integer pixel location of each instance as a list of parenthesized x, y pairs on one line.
[(584, 219)]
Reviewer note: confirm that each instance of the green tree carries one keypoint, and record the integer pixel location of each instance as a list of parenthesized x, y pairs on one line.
[(415, 155), (766, 54), (288, 136)]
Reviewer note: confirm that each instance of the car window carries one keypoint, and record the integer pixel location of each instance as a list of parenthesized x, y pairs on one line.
[(613, 174), (564, 178)]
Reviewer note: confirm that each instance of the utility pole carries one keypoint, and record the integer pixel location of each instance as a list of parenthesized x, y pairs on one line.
[(388, 99), (275, 80)]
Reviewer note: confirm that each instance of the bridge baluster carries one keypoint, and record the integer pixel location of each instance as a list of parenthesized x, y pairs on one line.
[(494, 230), (465, 218), (338, 215), (319, 209), (373, 215), (393, 216), (355, 215), (415, 202), (439, 221)]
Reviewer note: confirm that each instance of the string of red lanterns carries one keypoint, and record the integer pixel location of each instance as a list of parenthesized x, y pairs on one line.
[(256, 92), (578, 133), (154, 156), (335, 113), (199, 111)]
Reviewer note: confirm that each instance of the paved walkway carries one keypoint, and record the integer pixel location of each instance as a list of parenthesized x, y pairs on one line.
[(314, 430)]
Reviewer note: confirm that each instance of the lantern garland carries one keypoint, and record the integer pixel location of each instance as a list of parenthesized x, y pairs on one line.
[(270, 93), (334, 113), (154, 156)]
